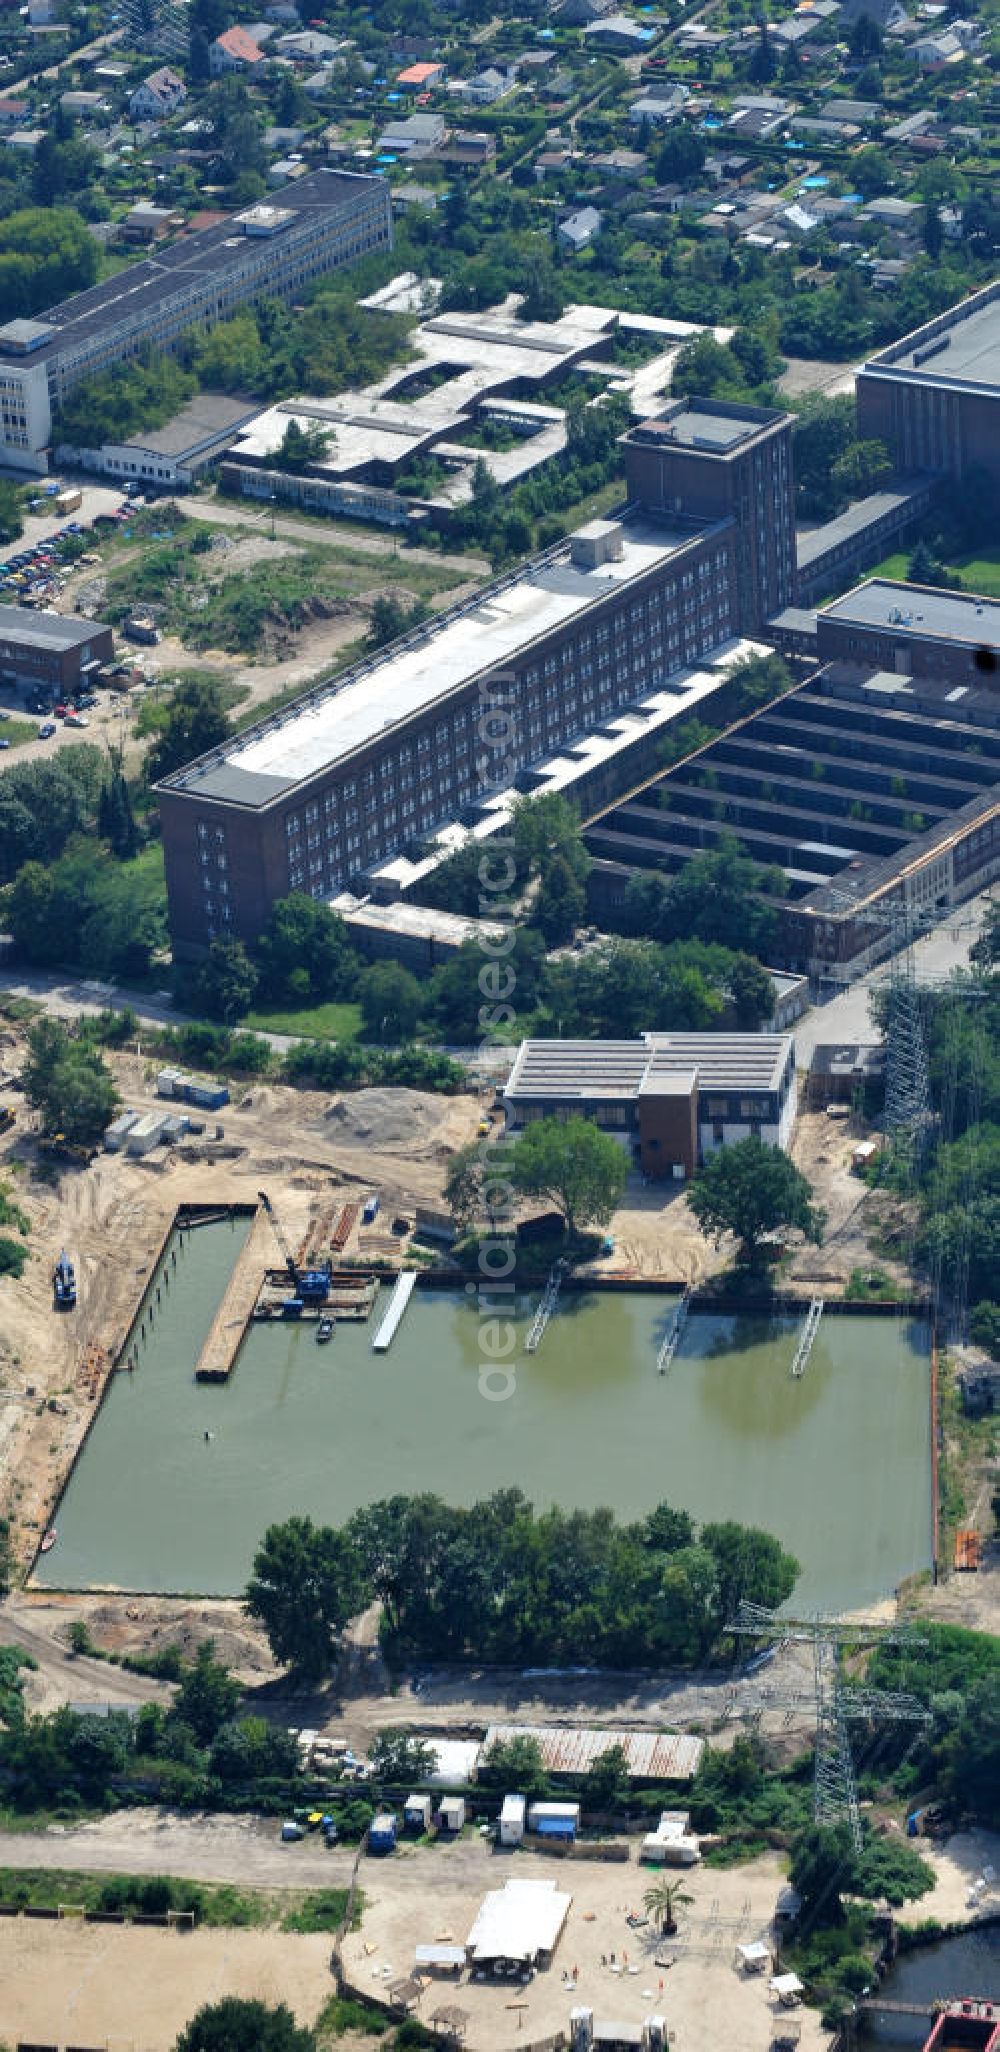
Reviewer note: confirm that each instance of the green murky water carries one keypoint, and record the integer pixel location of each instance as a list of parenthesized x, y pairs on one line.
[(837, 1464)]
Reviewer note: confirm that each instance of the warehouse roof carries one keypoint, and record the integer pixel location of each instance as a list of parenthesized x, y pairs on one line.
[(925, 611), (209, 415), (960, 347), (416, 672), (571, 1749), (141, 287), (854, 521), (52, 631), (592, 1070)]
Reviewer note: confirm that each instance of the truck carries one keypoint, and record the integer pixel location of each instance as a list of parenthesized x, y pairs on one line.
[(371, 1211), (68, 500)]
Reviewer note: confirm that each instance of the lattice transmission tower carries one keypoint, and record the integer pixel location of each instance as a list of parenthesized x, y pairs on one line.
[(837, 1705)]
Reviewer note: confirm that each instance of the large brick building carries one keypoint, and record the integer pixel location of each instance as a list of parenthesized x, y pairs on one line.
[(49, 654), (274, 249), (934, 397), (313, 797)]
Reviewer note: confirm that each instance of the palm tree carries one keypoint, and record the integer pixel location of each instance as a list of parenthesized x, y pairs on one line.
[(662, 1899)]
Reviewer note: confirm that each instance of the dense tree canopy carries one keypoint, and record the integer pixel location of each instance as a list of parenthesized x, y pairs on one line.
[(756, 1193), (46, 253), (68, 1083), (236, 2024), (572, 1164), (196, 721), (307, 1584)]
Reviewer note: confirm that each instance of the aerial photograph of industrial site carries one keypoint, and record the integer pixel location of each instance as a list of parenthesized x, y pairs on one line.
[(499, 1026)]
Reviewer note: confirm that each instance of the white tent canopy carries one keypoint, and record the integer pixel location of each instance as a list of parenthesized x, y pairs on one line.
[(518, 1921)]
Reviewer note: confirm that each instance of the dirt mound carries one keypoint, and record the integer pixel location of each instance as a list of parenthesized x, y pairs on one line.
[(405, 1119)]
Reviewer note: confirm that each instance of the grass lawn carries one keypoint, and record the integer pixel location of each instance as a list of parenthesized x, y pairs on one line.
[(16, 732), (978, 573), (318, 1022)]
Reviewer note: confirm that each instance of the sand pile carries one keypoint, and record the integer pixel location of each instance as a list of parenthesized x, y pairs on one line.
[(407, 1119)]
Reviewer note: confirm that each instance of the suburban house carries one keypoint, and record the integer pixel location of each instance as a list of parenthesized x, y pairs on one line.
[(578, 230), (234, 50), (159, 95)]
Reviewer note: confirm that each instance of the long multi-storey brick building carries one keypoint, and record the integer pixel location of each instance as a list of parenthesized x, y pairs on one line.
[(274, 249), (933, 398), (313, 797)]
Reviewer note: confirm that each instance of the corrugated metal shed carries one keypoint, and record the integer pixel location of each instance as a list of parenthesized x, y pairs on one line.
[(571, 1749)]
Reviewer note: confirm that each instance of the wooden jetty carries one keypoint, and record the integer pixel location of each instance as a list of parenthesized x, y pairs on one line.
[(215, 1362)]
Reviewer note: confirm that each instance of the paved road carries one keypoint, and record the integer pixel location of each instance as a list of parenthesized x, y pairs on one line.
[(937, 955)]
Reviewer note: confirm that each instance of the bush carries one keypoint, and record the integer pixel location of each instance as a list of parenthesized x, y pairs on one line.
[(12, 1257)]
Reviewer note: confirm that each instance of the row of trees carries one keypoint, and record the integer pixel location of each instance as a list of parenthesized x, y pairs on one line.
[(503, 1583)]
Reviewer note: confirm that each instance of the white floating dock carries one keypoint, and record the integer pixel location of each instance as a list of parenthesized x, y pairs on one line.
[(393, 1318)]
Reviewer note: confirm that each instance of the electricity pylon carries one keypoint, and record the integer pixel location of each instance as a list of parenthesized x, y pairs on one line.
[(835, 1794)]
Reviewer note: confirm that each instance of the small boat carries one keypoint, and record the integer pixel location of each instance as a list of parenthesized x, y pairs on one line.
[(324, 1330), (49, 1540)]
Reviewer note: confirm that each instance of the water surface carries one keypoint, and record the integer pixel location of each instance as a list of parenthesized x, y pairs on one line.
[(836, 1464)]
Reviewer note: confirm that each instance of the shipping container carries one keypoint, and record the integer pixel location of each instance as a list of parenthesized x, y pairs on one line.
[(167, 1081), (176, 1127), (417, 1812), (512, 1820), (146, 1133), (382, 1834), (210, 1096), (451, 1813), (554, 1820), (118, 1131)]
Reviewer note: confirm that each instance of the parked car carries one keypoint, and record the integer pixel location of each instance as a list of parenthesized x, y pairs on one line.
[(77, 719), (46, 730)]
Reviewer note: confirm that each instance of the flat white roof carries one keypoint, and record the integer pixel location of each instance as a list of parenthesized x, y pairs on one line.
[(482, 636), (519, 1921)]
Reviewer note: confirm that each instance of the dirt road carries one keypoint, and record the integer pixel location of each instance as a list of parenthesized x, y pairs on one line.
[(247, 1850), (64, 1677), (330, 531)]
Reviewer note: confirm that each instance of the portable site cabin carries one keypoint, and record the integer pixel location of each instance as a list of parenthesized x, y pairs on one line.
[(672, 1844), (554, 1820), (512, 1820), (146, 1133), (382, 1834), (451, 1813), (117, 1133), (417, 1813)]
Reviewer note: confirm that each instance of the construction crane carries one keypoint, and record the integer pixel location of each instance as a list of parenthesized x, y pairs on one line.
[(311, 1284), (276, 1228), (837, 1705)]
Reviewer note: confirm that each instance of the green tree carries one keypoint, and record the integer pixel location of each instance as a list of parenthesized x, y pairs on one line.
[(662, 1900), (756, 1193), (864, 467), (7, 1560), (984, 1327), (681, 157), (67, 1082), (307, 1584), (304, 954), (238, 2025), (561, 903), (11, 516), (115, 817), (824, 1867), (391, 1002), (933, 233), (302, 446), (224, 985), (607, 1782), (396, 1756), (208, 1695), (751, 1567), (516, 1766), (391, 617), (572, 1163), (196, 721)]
